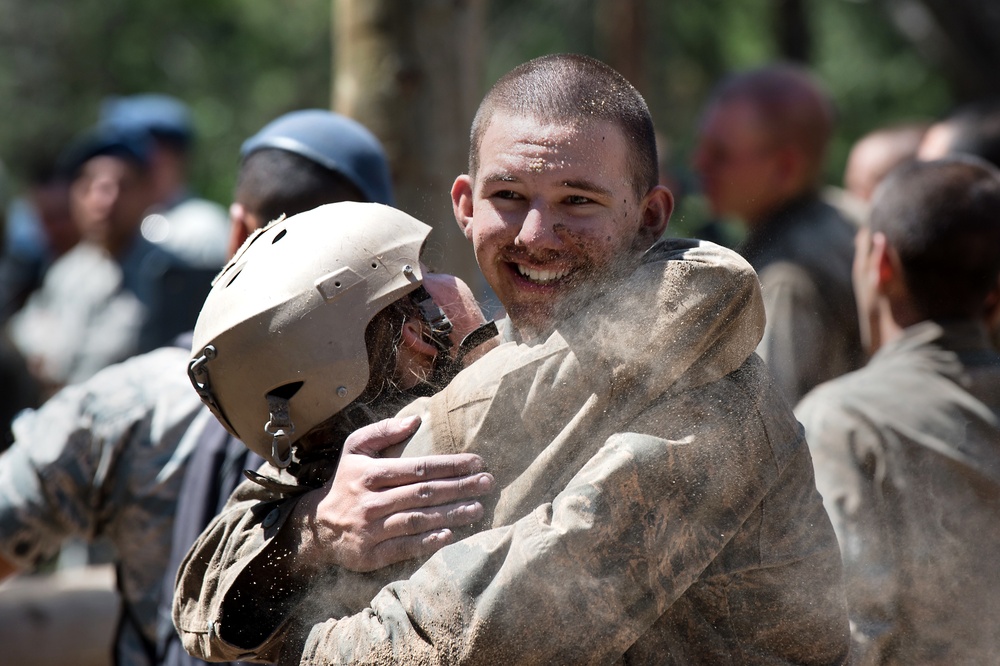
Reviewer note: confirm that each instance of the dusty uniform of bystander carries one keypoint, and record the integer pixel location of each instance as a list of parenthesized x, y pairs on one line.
[(907, 459)]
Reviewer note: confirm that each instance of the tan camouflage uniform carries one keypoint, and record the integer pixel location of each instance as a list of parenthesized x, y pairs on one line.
[(105, 459), (907, 456), (657, 506)]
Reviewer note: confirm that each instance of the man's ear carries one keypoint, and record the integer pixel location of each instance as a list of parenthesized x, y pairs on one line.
[(886, 264), (241, 225), (461, 203), (657, 206)]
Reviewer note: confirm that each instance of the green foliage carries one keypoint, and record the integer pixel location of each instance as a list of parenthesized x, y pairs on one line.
[(238, 63), (875, 76)]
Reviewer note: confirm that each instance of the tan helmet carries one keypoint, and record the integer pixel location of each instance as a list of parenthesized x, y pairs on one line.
[(279, 346)]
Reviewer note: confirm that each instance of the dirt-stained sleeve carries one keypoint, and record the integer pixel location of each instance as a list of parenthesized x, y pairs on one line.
[(581, 579), (207, 580), (851, 474)]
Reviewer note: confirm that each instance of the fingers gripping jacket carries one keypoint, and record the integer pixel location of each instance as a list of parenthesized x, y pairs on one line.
[(303, 288)]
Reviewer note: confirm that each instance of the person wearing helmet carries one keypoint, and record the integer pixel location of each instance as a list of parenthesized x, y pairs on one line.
[(319, 332), (132, 455), (189, 227), (657, 500), (350, 295)]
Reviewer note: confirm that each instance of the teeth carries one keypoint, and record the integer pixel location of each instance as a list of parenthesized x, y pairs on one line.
[(541, 275)]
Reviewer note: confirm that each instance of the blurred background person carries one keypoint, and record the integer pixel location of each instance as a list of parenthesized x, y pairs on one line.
[(760, 152), (40, 230), (94, 301), (906, 448), (191, 228), (876, 153), (972, 129)]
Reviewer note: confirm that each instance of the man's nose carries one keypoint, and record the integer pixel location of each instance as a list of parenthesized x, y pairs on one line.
[(538, 229)]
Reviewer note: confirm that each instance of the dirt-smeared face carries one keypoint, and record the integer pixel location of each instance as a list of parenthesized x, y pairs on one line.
[(552, 209)]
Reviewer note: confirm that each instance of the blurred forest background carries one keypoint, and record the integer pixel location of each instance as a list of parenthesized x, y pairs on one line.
[(414, 70)]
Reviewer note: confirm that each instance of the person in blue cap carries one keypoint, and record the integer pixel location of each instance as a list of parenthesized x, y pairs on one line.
[(192, 228), (133, 455), (95, 300)]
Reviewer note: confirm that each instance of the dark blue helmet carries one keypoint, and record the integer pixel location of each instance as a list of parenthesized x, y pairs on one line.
[(105, 140), (333, 141), (162, 116)]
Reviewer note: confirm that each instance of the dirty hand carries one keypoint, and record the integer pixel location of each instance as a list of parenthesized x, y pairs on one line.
[(379, 511)]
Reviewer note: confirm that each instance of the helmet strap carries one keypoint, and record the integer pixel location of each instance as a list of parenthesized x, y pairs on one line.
[(445, 366), (281, 428), (437, 321)]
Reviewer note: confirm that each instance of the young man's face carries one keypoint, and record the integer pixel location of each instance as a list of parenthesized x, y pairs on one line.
[(553, 208)]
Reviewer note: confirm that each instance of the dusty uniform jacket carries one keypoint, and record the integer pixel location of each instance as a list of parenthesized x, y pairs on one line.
[(907, 455), (105, 458), (803, 256), (657, 506)]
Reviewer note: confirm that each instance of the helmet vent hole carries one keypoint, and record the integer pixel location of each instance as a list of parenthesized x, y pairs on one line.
[(281, 234), (286, 391), (235, 275), (374, 264)]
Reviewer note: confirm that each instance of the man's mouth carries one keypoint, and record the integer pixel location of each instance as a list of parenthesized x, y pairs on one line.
[(542, 275)]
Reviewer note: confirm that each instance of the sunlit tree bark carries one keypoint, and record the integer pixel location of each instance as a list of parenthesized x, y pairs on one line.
[(410, 70)]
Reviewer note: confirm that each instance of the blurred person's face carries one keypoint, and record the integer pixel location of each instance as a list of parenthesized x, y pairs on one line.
[(51, 201), (936, 142), (553, 208), (738, 163), (108, 198)]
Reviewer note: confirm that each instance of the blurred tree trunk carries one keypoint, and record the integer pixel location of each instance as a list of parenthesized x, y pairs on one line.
[(959, 36), (409, 70), (791, 30), (621, 33)]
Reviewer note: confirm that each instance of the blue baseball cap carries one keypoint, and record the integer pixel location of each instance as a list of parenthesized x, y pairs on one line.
[(154, 113), (105, 140), (333, 141)]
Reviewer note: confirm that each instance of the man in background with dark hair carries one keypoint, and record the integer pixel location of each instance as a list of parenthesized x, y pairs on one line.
[(907, 449), (973, 129), (761, 147)]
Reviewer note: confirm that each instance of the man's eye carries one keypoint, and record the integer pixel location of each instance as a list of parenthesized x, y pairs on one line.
[(506, 194), (577, 200)]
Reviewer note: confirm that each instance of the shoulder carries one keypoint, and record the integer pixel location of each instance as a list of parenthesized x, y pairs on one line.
[(111, 402), (841, 411)]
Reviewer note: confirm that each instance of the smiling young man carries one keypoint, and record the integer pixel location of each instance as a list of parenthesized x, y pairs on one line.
[(551, 212), (657, 501)]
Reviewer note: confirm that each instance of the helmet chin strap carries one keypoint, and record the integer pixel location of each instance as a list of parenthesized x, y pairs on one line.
[(445, 367), (281, 429)]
